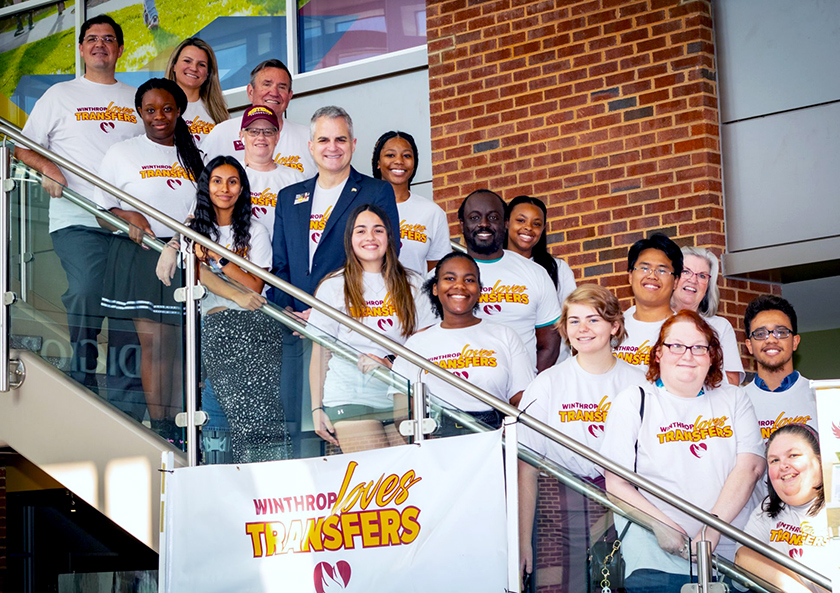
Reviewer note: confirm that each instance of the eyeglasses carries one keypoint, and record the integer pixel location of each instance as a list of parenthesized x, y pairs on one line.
[(109, 39), (267, 132), (762, 333), (679, 349), (646, 270), (701, 276)]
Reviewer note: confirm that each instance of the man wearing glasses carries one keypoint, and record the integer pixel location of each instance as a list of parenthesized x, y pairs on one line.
[(779, 394), (79, 120), (270, 86), (654, 264)]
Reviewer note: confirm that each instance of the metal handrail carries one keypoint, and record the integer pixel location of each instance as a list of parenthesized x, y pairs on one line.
[(431, 368)]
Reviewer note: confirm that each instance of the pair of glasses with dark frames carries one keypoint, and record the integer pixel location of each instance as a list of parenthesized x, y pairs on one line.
[(763, 333)]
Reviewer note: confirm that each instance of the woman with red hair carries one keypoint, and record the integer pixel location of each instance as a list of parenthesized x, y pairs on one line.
[(695, 436)]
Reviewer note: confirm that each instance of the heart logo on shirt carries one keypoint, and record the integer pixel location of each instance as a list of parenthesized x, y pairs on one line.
[(106, 126), (596, 430), (331, 578), (491, 309), (462, 374), (258, 211), (795, 552), (698, 449), (173, 183), (316, 237), (196, 138), (385, 324)]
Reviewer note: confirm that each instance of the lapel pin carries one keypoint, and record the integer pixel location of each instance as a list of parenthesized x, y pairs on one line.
[(301, 198), (353, 189)]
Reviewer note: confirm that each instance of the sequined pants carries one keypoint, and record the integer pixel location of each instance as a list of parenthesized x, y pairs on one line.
[(242, 351)]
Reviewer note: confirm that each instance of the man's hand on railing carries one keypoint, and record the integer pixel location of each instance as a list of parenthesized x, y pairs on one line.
[(138, 225), (54, 185), (671, 539)]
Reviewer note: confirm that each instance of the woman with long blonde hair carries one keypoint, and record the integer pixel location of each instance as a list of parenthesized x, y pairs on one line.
[(349, 408), (193, 66)]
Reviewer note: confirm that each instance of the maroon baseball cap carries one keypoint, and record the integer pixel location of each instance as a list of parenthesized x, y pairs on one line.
[(256, 112)]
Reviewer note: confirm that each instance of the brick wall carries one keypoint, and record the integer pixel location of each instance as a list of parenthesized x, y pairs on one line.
[(605, 109)]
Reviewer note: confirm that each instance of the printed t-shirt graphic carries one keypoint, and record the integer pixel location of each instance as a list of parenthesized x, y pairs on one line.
[(80, 120), (488, 355), (576, 403), (798, 535), (518, 293), (151, 172), (424, 234), (637, 348), (774, 409), (198, 120), (680, 440), (265, 187), (292, 145), (344, 383), (323, 203)]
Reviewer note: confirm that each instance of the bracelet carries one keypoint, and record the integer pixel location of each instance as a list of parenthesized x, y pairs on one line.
[(319, 408)]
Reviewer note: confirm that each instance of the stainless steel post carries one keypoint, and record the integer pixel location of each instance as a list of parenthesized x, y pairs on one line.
[(191, 353), (6, 185), (512, 498), (704, 563), (418, 411)]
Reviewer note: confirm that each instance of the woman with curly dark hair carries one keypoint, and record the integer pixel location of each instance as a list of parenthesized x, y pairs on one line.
[(159, 168), (691, 433), (242, 348)]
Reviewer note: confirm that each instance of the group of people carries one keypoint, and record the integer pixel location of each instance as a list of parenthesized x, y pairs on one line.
[(654, 388)]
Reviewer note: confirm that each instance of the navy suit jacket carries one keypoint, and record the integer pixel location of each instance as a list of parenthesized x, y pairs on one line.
[(291, 231)]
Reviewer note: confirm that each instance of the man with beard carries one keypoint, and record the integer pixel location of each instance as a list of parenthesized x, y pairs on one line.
[(779, 394), (515, 291)]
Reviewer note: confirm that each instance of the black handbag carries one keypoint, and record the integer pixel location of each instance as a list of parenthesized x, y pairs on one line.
[(606, 564)]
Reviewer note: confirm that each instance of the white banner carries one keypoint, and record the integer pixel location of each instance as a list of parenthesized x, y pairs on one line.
[(412, 518), (828, 417)]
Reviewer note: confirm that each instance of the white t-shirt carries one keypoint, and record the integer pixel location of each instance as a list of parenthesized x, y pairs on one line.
[(688, 446), (637, 348), (259, 253), (344, 383), (199, 121), (576, 403), (774, 409), (80, 120), (150, 172), (323, 201), (265, 187), (519, 294), (292, 145), (796, 534), (731, 355), (488, 355), (424, 233), (565, 286)]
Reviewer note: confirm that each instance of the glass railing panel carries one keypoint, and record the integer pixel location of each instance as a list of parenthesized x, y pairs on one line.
[(282, 361), (89, 302)]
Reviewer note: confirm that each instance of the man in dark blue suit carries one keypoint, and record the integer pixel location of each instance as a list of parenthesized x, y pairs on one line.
[(308, 241), (311, 215)]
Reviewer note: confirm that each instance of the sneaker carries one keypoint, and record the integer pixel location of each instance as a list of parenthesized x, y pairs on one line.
[(151, 21)]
